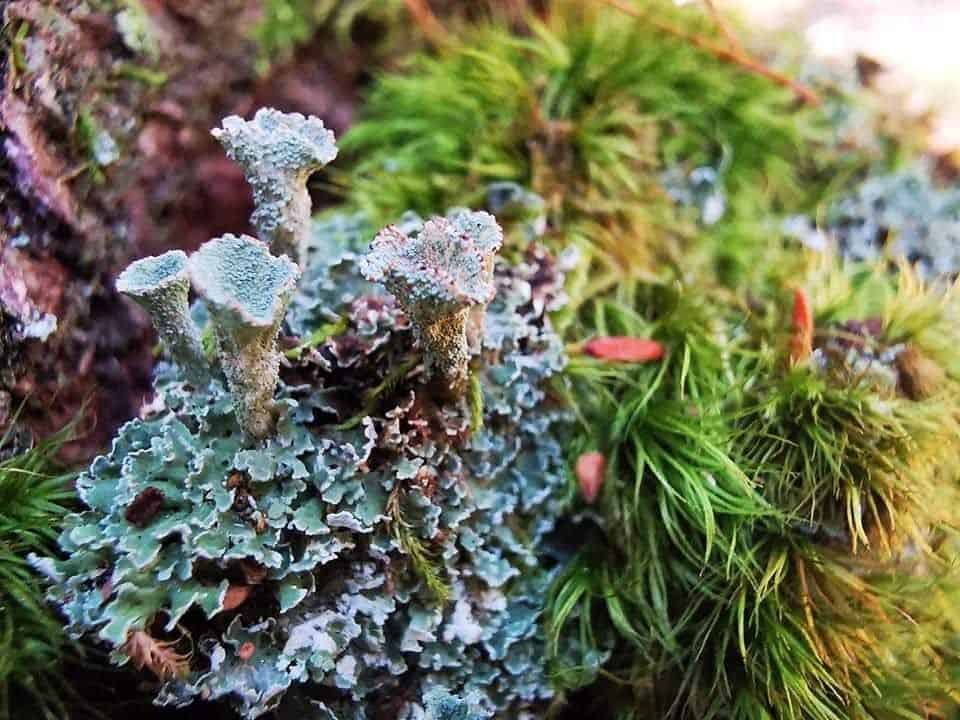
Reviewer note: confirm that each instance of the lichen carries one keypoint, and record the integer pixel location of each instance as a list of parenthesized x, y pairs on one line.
[(278, 152), (441, 273), (902, 214), (280, 564), (247, 291), (161, 285)]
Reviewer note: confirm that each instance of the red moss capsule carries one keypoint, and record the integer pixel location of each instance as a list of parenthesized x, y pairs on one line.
[(590, 470), (801, 341), (624, 349)]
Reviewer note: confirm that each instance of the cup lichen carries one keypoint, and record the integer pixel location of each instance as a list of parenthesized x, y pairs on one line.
[(247, 291), (303, 572), (442, 275), (161, 285), (278, 152)]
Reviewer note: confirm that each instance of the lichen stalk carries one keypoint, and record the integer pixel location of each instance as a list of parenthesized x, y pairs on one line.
[(161, 285), (247, 291), (449, 355), (278, 152)]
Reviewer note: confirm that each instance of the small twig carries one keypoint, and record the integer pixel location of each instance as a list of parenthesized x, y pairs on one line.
[(739, 58), (724, 27), (431, 27)]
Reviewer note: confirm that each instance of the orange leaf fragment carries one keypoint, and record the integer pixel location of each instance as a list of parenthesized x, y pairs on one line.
[(801, 341), (157, 656), (590, 470), (621, 348), (235, 596)]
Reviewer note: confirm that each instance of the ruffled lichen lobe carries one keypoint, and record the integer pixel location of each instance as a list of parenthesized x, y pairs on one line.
[(278, 152), (442, 275), (301, 568), (161, 285), (247, 291)]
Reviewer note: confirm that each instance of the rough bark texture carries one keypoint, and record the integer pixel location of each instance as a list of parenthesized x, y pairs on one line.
[(106, 156)]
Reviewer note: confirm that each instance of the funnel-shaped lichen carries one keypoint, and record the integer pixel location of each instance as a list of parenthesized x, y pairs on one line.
[(438, 275), (161, 285), (278, 152), (247, 291)]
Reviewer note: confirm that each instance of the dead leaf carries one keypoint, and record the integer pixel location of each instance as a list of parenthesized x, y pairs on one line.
[(157, 656), (144, 507), (624, 349), (253, 572), (246, 651), (919, 376), (235, 596)]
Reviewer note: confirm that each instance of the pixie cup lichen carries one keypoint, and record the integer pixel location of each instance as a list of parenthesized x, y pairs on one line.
[(278, 152), (442, 276), (247, 291), (161, 285)]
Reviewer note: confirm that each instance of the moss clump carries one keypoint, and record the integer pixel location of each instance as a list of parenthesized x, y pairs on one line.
[(772, 530), (34, 498), (769, 521)]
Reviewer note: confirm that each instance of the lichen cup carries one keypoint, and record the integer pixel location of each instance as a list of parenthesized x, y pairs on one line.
[(442, 276), (278, 152), (247, 291), (161, 285)]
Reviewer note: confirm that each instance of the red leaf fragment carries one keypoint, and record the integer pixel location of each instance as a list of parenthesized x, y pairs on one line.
[(144, 507), (590, 470), (801, 341), (621, 348), (246, 651), (235, 596)]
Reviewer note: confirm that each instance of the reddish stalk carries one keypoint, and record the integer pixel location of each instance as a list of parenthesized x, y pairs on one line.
[(732, 40), (731, 55), (430, 26)]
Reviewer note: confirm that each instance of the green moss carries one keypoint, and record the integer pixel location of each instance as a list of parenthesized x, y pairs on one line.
[(586, 111), (33, 499), (286, 25), (770, 532)]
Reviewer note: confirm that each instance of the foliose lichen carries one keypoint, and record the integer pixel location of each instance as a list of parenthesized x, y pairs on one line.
[(161, 285), (278, 152), (303, 571), (902, 214), (441, 273)]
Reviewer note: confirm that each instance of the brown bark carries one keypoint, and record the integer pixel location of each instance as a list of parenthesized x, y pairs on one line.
[(107, 156)]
